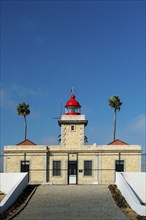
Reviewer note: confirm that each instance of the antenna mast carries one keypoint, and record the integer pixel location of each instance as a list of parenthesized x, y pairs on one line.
[(72, 90)]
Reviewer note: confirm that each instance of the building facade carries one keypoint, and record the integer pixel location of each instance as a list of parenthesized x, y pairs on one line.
[(72, 162)]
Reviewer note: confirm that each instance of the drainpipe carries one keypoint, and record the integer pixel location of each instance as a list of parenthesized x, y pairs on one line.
[(25, 158), (119, 158), (47, 165), (97, 169)]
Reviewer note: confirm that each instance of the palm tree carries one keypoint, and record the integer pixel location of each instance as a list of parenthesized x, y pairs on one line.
[(85, 139), (23, 110), (114, 102), (59, 138)]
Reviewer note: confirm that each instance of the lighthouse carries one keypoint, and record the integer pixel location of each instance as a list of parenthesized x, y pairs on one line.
[(72, 124), (72, 162)]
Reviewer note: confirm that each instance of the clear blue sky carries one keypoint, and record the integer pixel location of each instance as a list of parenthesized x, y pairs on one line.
[(97, 46)]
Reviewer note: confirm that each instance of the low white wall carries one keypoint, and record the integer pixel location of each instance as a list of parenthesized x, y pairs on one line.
[(12, 184), (129, 195), (138, 183)]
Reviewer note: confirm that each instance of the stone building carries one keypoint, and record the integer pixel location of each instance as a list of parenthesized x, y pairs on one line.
[(72, 162)]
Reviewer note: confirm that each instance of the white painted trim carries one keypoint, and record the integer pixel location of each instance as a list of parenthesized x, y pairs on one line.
[(138, 183), (12, 184), (129, 194)]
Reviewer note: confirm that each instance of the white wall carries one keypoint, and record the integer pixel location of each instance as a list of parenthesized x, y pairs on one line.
[(7, 180), (12, 184), (138, 182), (129, 194)]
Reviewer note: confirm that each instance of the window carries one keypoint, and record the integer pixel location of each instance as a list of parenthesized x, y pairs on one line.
[(119, 165), (72, 128), (56, 168), (24, 166), (88, 168)]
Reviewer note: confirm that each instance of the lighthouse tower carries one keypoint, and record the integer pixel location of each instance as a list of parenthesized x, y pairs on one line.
[(72, 124)]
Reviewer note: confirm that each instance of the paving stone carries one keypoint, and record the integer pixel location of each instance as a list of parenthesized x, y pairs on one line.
[(72, 202)]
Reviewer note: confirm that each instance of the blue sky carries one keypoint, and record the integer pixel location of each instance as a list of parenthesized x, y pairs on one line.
[(96, 46)]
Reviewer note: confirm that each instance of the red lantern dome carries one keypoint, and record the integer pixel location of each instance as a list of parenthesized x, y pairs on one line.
[(72, 106)]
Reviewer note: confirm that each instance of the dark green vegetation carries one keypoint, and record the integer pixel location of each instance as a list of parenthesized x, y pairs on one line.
[(23, 110), (114, 102)]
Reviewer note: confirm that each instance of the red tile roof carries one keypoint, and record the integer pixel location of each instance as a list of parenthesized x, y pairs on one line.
[(117, 142), (26, 142)]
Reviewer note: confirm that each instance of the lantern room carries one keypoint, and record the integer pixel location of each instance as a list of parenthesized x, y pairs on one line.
[(72, 106)]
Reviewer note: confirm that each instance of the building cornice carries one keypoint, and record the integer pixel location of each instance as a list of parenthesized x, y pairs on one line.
[(96, 151), (79, 122)]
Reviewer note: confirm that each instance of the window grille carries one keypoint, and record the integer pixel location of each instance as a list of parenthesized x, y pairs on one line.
[(56, 168), (88, 168)]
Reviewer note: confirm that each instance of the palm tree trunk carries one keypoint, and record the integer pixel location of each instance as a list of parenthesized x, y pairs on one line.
[(114, 124), (25, 127)]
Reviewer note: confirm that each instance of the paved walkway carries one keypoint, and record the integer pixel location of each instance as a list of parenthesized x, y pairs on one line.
[(71, 203)]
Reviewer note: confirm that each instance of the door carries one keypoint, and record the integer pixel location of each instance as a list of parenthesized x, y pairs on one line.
[(25, 167), (72, 172)]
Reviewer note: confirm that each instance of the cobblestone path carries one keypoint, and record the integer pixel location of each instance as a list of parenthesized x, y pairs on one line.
[(71, 203)]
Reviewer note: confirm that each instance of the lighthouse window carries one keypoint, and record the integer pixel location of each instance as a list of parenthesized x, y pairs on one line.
[(72, 128)]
